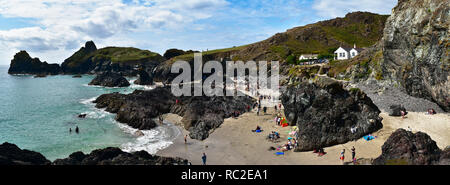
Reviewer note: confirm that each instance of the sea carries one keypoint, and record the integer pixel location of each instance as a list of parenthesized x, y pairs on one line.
[(37, 113)]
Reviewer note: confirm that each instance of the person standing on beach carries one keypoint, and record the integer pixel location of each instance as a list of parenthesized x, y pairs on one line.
[(185, 139), (353, 154), (342, 156), (204, 159)]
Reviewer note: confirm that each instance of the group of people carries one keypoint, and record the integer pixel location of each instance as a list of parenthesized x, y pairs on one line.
[(273, 136), (342, 157), (278, 119), (77, 130), (431, 111)]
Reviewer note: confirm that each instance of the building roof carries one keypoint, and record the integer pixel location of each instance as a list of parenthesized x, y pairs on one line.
[(350, 48), (309, 55)]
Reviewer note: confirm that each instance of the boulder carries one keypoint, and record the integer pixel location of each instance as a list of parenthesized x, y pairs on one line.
[(10, 154), (144, 78), (115, 156), (22, 63), (405, 147), (396, 110), (110, 79), (327, 114)]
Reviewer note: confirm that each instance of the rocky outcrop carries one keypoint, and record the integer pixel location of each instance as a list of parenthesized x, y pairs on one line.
[(22, 63), (415, 48), (81, 61), (10, 154), (144, 78), (325, 113), (405, 147), (115, 156), (139, 108), (110, 79), (124, 60), (201, 114)]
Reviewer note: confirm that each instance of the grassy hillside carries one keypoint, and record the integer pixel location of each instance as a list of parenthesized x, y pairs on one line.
[(361, 28), (123, 54)]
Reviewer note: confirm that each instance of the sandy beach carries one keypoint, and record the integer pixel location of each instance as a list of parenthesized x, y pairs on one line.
[(234, 142)]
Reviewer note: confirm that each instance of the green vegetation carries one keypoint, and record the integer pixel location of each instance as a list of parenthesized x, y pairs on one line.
[(291, 59), (190, 56), (113, 54), (354, 90), (122, 54)]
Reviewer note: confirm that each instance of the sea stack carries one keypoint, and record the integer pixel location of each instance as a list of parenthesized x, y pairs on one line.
[(22, 63)]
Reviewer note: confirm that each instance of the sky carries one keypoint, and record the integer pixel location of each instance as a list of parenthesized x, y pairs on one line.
[(53, 30)]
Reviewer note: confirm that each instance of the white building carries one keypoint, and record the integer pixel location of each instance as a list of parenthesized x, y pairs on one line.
[(344, 53), (308, 56)]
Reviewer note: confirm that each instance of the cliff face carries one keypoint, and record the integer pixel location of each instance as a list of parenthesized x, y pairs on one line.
[(415, 49), (22, 63), (10, 154)]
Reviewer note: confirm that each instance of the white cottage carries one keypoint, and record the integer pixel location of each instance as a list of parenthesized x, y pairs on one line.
[(344, 53)]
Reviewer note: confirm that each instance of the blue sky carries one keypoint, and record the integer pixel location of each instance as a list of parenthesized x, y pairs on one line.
[(53, 29)]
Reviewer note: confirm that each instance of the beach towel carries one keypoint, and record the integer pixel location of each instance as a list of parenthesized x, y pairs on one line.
[(258, 131), (279, 153), (368, 138)]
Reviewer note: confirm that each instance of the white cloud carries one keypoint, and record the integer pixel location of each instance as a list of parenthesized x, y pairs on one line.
[(66, 24), (338, 8)]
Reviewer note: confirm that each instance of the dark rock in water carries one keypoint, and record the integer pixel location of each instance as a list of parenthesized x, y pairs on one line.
[(115, 156), (144, 78), (22, 63), (10, 154), (327, 115), (76, 76), (396, 110), (415, 49), (110, 79), (405, 147), (201, 114), (82, 116), (139, 108)]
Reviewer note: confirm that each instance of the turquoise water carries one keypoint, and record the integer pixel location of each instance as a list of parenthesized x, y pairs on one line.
[(36, 114)]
